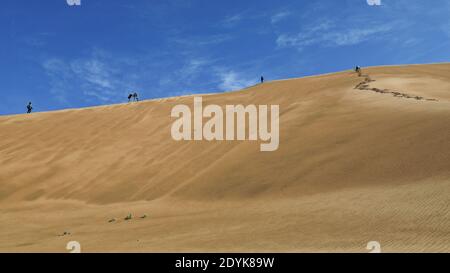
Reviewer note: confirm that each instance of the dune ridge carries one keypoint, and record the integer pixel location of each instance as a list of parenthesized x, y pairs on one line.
[(360, 159)]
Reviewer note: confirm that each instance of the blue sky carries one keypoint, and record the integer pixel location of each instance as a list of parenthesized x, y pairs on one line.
[(60, 56)]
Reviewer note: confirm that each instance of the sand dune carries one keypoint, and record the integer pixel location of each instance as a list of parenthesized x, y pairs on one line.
[(359, 160)]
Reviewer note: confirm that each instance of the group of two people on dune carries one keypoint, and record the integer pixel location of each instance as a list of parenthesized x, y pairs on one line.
[(133, 96)]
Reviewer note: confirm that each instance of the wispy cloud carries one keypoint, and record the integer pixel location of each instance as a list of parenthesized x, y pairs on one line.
[(37, 39), (191, 72), (192, 69), (94, 72), (279, 16), (59, 78), (230, 81), (356, 36), (232, 20), (202, 40), (326, 34), (193, 66), (95, 78)]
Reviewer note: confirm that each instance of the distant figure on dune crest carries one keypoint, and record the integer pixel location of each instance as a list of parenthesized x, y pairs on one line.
[(262, 79), (129, 97), (29, 108), (358, 70)]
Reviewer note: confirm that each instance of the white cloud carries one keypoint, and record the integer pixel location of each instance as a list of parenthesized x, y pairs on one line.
[(38, 40), (192, 67), (230, 81), (326, 34), (59, 76), (355, 36), (97, 78), (183, 76), (203, 41), (279, 16), (94, 72), (232, 20), (307, 37)]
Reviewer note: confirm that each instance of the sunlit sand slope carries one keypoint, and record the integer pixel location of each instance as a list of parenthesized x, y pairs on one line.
[(360, 159)]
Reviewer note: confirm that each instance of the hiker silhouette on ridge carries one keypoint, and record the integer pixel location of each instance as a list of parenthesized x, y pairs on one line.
[(135, 97), (29, 108), (358, 70), (262, 79), (129, 97)]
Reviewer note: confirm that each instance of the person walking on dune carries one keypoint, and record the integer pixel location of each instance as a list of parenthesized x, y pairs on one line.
[(129, 97), (262, 79), (29, 108), (358, 70), (135, 97)]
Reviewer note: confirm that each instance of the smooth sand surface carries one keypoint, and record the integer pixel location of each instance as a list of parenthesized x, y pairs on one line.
[(354, 165)]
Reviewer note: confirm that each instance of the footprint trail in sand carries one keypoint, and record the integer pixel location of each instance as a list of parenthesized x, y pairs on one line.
[(365, 85)]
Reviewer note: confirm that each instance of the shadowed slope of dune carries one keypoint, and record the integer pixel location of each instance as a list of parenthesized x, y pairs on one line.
[(354, 165)]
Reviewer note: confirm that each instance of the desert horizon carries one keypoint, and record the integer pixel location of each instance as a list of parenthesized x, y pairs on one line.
[(228, 91)]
